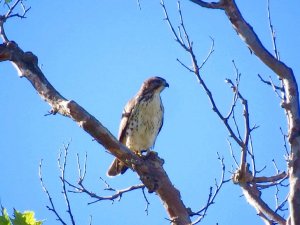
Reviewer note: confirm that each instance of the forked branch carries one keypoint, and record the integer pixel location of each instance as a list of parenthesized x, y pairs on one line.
[(150, 170), (80, 187), (213, 192), (290, 102), (243, 176)]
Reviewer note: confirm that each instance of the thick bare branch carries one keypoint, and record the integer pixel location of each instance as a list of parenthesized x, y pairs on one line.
[(272, 179), (252, 194), (243, 177), (290, 103), (27, 66), (150, 170)]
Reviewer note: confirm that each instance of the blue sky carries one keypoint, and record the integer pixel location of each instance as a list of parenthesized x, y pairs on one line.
[(98, 53)]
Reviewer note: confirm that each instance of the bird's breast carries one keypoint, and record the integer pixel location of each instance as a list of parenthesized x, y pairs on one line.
[(144, 124)]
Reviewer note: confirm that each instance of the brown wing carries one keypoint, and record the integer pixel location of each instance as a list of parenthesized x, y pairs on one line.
[(126, 115), (117, 167)]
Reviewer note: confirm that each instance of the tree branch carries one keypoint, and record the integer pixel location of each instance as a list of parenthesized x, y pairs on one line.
[(196, 69), (9, 14), (273, 35), (272, 179), (149, 170), (80, 187), (117, 195), (275, 87), (52, 207), (252, 194), (243, 177), (212, 194), (62, 162), (290, 103)]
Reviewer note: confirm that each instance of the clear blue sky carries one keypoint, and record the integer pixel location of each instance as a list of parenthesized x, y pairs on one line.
[(98, 53)]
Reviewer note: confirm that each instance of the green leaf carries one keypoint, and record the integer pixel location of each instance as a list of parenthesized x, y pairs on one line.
[(8, 1), (4, 219), (25, 218)]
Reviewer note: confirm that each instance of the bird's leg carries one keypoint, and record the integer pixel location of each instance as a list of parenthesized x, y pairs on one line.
[(145, 152), (149, 153), (139, 153)]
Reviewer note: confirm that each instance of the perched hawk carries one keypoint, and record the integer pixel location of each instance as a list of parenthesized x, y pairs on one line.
[(141, 121)]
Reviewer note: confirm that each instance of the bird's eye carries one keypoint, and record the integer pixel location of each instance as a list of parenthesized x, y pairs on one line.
[(157, 83)]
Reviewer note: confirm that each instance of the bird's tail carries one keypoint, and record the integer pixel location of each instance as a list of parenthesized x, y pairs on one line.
[(117, 167)]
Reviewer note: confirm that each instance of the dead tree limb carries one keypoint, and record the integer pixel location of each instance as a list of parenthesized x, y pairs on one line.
[(150, 171), (246, 179), (290, 103)]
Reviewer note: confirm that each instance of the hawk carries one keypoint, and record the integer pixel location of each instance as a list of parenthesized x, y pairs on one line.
[(142, 119)]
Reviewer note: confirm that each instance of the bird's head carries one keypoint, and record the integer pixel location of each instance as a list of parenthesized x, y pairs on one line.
[(154, 84)]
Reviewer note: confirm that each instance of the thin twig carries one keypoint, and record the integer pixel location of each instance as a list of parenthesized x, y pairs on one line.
[(11, 8), (236, 126), (273, 35), (275, 88), (81, 174), (269, 83), (177, 38), (107, 186), (79, 167), (284, 141), (118, 193), (139, 4), (212, 195), (211, 50), (185, 66), (10, 14), (91, 220), (232, 154), (62, 167), (280, 206), (251, 153), (245, 141), (189, 48), (147, 201), (80, 187), (52, 207), (235, 89)]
